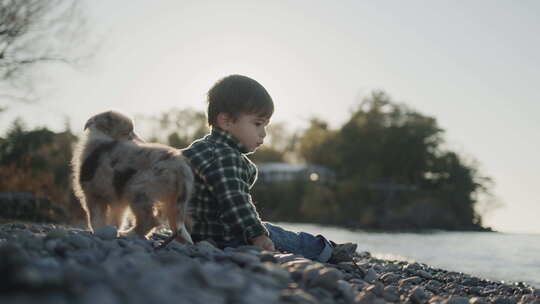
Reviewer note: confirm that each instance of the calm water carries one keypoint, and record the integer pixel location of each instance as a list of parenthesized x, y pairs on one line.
[(495, 256)]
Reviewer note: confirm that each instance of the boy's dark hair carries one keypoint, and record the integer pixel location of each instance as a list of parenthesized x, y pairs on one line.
[(237, 94)]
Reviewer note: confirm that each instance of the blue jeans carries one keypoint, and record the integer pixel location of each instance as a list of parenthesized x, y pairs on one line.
[(302, 243)]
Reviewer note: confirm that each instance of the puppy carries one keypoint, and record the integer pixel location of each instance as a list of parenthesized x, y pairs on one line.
[(114, 170)]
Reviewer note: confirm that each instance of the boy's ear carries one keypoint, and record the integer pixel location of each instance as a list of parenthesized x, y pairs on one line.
[(224, 120)]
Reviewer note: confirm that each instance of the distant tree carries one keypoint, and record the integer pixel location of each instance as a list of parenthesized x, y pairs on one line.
[(33, 31), (267, 154), (279, 145), (385, 145), (175, 127)]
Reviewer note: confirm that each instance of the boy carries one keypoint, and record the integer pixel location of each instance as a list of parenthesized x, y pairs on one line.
[(239, 110)]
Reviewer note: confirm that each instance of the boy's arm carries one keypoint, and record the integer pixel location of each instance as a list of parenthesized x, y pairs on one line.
[(224, 178), (263, 242)]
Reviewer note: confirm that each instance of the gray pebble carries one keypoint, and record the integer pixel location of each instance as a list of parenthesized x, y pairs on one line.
[(424, 274), (470, 282), (346, 290), (392, 267), (50, 245), (477, 300), (371, 276), (529, 299), (390, 277), (99, 294), (285, 257), (47, 262), (457, 300), (208, 248), (297, 296), (277, 272), (311, 271), (106, 233), (256, 294), (57, 233), (78, 241), (268, 257), (376, 288), (412, 280), (418, 295), (365, 297), (391, 294), (242, 258), (327, 278), (503, 300), (219, 277), (33, 243)]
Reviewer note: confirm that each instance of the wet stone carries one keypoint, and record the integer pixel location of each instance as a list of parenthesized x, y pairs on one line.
[(424, 274), (244, 258), (529, 299), (457, 300), (477, 300), (503, 300), (346, 290), (297, 296), (377, 289), (412, 280), (365, 297), (418, 295), (56, 234), (76, 266), (391, 294), (280, 274), (311, 272), (371, 276), (327, 279), (79, 242), (106, 233), (268, 257), (390, 277), (285, 257)]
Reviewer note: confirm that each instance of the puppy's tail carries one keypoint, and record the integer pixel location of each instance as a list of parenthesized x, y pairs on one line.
[(186, 184), (178, 206)]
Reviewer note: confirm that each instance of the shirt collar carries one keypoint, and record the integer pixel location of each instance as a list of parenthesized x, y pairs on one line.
[(221, 136)]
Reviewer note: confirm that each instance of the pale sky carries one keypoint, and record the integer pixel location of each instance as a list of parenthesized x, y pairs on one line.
[(473, 65)]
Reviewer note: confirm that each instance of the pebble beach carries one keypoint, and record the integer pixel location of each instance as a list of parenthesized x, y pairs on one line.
[(48, 263)]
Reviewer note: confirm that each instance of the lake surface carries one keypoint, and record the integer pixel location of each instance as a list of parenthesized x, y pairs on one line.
[(496, 256)]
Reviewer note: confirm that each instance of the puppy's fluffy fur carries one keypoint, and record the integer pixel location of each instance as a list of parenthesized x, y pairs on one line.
[(114, 170)]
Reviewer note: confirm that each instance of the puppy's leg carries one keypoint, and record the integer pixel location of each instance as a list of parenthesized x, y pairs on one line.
[(183, 235), (145, 220), (117, 215), (177, 226), (96, 213)]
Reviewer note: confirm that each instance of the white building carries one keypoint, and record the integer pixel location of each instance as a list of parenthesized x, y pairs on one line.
[(282, 172)]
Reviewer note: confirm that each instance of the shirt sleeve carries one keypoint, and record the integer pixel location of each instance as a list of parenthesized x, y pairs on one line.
[(226, 180)]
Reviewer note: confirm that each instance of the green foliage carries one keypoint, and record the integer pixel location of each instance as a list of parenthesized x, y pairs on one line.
[(266, 155), (389, 144), (38, 161), (175, 127), (392, 173)]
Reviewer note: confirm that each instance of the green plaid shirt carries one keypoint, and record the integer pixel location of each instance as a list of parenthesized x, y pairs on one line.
[(221, 205)]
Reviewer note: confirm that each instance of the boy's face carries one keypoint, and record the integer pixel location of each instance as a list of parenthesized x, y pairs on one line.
[(249, 129)]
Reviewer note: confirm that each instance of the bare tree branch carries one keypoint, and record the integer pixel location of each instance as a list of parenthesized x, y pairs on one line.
[(32, 32)]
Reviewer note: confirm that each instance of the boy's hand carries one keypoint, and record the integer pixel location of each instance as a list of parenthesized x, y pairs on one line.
[(263, 242)]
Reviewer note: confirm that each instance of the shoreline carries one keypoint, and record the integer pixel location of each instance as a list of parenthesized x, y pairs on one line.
[(48, 263), (354, 228)]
